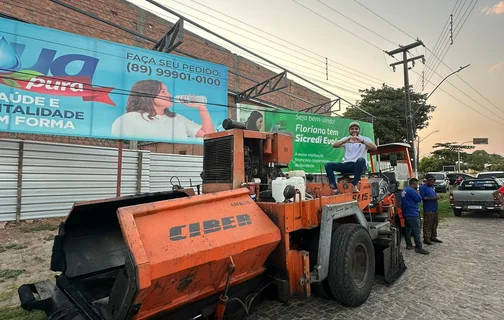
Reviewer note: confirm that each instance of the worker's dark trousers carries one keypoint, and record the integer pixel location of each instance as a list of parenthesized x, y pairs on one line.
[(355, 168), (431, 220), (412, 225)]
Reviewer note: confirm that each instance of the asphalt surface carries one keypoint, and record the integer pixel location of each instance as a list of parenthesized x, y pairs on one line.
[(461, 278)]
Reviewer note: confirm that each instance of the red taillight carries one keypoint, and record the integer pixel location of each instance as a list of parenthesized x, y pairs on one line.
[(451, 196)]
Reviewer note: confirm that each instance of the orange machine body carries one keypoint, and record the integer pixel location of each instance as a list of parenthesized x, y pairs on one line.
[(276, 148), (390, 203), (292, 217), (189, 261), (170, 254), (363, 197)]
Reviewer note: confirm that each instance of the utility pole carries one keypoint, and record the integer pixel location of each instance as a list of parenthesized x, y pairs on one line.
[(410, 130)]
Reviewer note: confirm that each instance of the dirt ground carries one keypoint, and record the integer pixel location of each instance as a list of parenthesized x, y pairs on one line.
[(25, 254)]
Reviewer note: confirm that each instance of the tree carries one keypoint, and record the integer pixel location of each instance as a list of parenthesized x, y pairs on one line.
[(387, 105), (499, 166), (477, 160), (430, 164), (448, 152)]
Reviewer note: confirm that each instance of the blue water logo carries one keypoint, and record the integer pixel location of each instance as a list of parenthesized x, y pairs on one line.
[(9, 61)]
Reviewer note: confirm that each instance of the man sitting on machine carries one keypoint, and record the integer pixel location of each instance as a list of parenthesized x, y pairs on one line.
[(354, 162)]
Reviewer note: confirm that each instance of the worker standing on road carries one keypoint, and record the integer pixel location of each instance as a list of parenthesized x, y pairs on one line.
[(409, 205), (430, 209), (354, 161)]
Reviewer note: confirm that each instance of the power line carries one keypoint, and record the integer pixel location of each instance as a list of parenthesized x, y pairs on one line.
[(359, 24), (475, 110), (279, 58), (262, 43), (441, 35), (151, 41), (385, 20), (282, 39), (453, 11), (334, 23), (274, 56), (401, 30), (429, 79), (446, 44), (125, 92), (495, 114), (475, 2)]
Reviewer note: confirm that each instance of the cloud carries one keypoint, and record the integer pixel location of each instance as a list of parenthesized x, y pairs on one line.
[(496, 9), (496, 67)]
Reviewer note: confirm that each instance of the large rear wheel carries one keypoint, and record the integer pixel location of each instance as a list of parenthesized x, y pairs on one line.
[(457, 212), (351, 265)]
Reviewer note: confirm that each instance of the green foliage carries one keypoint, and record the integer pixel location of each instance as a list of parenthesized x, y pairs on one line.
[(430, 164), (39, 226), (498, 166), (446, 154), (16, 313), (387, 104), (10, 274)]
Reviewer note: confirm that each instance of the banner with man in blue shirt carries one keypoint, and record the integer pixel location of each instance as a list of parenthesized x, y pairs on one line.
[(411, 214), (430, 208)]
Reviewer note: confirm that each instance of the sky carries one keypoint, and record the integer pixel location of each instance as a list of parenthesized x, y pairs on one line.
[(300, 34)]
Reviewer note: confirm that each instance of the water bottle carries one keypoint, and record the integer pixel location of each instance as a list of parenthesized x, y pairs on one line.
[(190, 99)]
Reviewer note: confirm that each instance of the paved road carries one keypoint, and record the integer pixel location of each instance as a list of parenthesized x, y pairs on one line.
[(462, 278)]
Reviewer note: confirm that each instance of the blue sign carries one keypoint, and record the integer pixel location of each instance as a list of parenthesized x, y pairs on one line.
[(58, 83)]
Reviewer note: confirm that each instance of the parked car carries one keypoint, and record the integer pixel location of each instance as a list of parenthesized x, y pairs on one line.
[(454, 175), (442, 183), (476, 195), (491, 174)]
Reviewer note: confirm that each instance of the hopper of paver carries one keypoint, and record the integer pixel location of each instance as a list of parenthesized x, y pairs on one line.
[(149, 258)]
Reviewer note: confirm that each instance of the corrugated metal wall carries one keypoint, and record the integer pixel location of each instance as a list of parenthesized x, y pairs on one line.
[(9, 151), (54, 176), (165, 166)]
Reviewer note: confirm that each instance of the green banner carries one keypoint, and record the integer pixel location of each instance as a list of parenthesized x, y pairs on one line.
[(313, 134)]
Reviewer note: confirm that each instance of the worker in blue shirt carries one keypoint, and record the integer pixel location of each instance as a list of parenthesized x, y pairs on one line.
[(411, 214), (430, 209)]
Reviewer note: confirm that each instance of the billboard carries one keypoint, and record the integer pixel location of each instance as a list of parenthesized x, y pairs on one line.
[(59, 83), (313, 134)]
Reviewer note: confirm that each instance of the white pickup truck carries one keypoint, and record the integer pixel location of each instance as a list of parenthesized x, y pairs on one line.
[(476, 195)]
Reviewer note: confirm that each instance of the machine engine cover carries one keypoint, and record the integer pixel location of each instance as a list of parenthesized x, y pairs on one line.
[(181, 248)]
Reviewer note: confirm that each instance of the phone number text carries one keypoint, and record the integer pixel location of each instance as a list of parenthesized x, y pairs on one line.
[(146, 69)]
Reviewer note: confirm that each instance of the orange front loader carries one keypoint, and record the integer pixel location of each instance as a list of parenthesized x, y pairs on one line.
[(177, 255)]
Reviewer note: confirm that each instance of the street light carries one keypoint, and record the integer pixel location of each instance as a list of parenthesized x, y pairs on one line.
[(428, 135), (418, 151), (425, 101), (430, 94), (458, 153)]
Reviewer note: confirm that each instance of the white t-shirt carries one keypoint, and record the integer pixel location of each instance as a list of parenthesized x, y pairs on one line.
[(135, 124), (354, 151)]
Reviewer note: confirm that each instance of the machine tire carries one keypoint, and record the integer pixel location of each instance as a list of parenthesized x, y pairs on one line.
[(501, 214), (457, 212), (319, 289), (351, 282)]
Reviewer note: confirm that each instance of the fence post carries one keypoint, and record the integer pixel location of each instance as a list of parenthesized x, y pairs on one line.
[(139, 173), (19, 181)]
